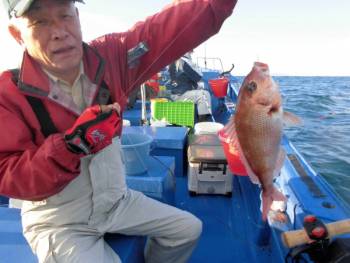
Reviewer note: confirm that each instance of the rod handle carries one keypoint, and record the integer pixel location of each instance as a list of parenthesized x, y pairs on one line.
[(298, 237)]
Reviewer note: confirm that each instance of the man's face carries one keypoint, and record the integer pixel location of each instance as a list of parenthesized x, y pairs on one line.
[(50, 32)]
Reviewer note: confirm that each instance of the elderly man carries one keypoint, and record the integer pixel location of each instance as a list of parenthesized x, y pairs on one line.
[(60, 113)]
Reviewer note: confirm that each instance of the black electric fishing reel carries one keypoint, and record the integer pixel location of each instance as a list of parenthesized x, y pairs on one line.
[(318, 248)]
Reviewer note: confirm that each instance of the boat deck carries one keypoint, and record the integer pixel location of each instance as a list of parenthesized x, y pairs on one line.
[(232, 226)]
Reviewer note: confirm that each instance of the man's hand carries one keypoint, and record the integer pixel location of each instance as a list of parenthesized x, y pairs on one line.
[(94, 129)]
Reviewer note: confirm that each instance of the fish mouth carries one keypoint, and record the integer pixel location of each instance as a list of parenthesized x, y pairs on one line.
[(273, 109)]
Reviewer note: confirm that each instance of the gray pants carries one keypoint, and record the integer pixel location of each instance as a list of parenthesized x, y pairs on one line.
[(69, 226), (172, 234), (200, 97)]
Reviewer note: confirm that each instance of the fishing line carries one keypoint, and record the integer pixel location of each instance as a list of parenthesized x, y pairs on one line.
[(166, 49)]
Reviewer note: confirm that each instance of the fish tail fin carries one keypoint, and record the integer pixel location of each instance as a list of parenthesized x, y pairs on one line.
[(268, 198)]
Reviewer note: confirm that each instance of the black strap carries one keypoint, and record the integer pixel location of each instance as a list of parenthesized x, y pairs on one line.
[(15, 75), (39, 109), (43, 116), (103, 96)]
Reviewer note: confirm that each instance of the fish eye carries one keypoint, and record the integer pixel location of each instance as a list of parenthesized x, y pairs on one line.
[(251, 86)]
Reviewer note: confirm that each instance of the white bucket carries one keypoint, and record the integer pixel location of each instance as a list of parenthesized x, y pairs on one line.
[(207, 127), (136, 149)]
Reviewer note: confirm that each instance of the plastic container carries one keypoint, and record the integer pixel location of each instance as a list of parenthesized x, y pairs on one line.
[(136, 148), (174, 112), (234, 161), (207, 127), (219, 87)]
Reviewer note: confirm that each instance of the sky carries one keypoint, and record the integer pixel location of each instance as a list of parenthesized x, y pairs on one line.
[(295, 37)]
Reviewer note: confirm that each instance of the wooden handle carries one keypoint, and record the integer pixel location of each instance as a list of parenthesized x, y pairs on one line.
[(299, 237)]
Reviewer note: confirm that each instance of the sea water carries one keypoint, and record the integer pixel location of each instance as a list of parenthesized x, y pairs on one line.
[(323, 103)]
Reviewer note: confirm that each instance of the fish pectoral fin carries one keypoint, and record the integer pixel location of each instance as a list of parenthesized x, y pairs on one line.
[(230, 129), (290, 119), (280, 162)]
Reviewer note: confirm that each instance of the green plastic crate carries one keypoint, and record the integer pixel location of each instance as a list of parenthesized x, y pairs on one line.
[(174, 112)]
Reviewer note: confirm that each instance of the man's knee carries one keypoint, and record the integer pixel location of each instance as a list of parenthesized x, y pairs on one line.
[(192, 227), (197, 227)]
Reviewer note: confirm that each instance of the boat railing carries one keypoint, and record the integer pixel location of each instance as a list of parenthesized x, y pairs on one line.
[(210, 63)]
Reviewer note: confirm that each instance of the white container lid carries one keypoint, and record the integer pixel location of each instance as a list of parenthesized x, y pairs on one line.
[(207, 127)]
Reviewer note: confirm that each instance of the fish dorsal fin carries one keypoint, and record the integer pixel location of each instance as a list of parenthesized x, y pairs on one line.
[(230, 129), (290, 119)]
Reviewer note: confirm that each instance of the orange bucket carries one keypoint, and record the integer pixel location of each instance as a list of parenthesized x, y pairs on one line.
[(219, 87), (234, 161)]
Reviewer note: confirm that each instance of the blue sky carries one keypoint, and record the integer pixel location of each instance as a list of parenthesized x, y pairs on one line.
[(295, 37)]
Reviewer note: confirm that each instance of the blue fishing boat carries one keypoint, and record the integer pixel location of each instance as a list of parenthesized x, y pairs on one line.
[(317, 224)]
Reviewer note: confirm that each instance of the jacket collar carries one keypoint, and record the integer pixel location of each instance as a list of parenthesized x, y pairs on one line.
[(39, 85)]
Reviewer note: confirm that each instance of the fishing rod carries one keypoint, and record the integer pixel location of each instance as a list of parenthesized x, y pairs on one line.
[(178, 36), (314, 240)]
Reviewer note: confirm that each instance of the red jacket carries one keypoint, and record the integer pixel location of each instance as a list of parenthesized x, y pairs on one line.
[(33, 167)]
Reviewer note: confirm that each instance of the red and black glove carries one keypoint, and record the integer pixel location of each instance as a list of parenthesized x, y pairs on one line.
[(92, 131)]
